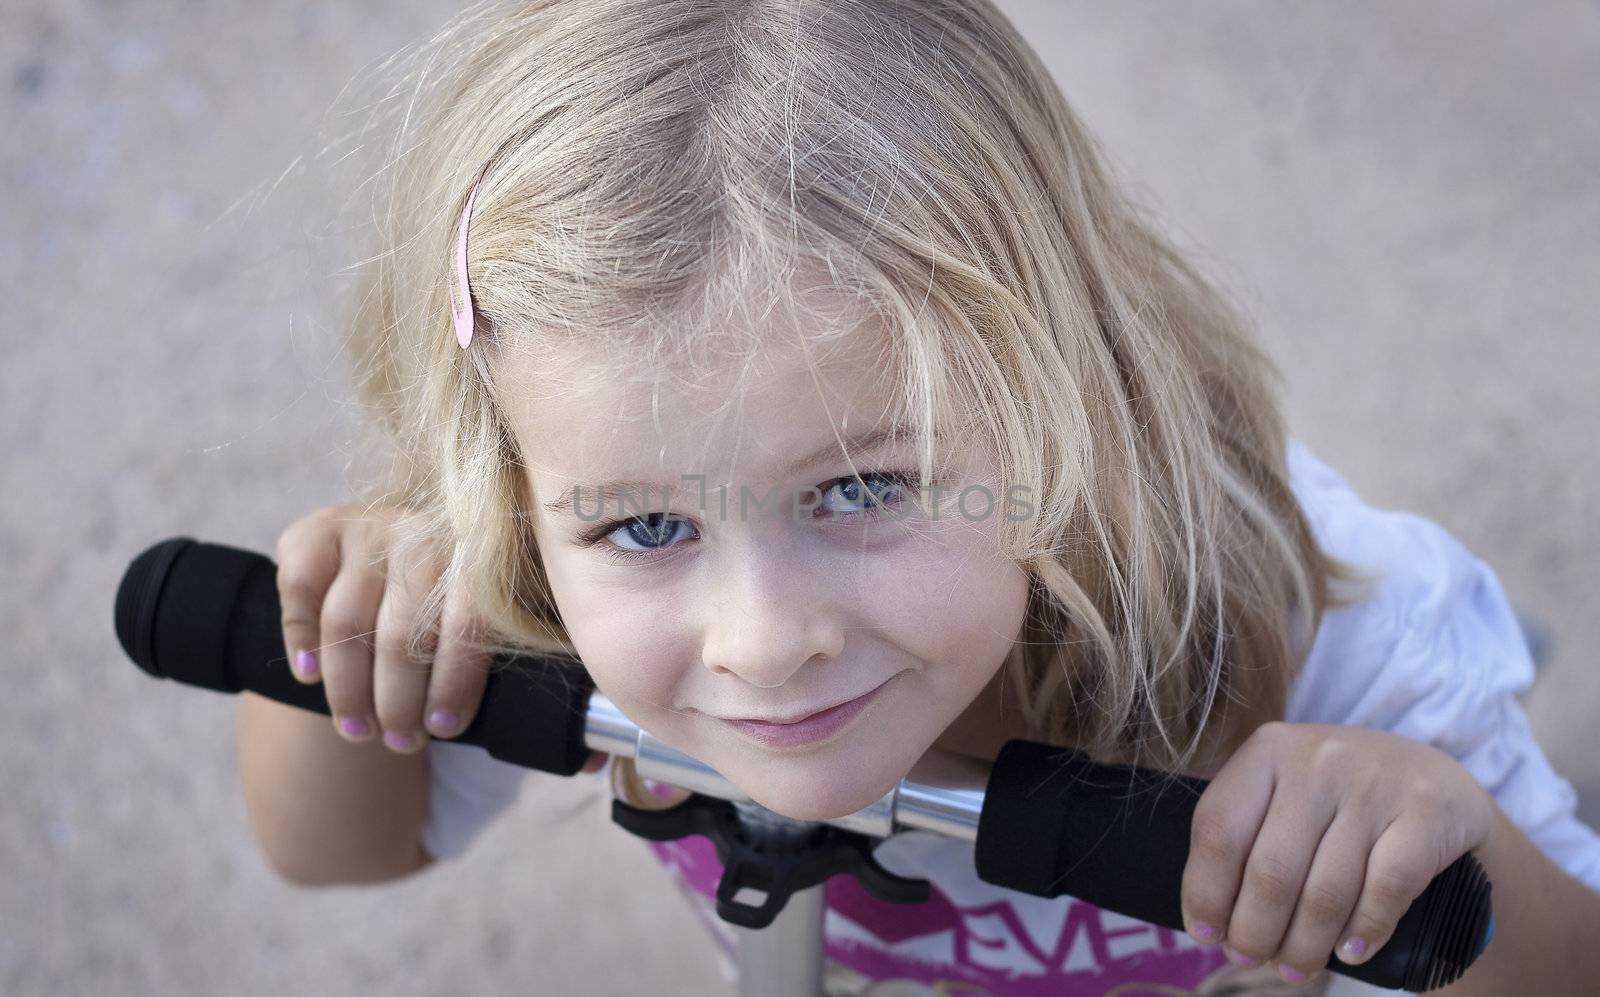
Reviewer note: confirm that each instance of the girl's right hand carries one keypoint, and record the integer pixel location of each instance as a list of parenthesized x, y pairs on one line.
[(346, 618)]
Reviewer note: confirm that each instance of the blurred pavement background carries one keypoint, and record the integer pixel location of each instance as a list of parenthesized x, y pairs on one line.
[(1405, 197)]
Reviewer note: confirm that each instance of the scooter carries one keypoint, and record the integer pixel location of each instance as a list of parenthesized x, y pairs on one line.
[(1044, 820)]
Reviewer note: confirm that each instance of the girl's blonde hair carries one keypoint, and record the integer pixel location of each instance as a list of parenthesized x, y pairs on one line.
[(647, 162)]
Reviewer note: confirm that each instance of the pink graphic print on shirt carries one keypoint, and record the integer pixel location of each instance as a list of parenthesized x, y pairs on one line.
[(989, 948)]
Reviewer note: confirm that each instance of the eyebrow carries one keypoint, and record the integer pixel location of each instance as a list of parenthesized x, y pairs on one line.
[(860, 443)]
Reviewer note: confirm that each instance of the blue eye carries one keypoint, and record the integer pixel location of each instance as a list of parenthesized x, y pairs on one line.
[(651, 532), (876, 491), (654, 532)]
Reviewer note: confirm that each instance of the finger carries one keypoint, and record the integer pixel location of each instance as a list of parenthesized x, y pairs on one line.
[(1404, 860), (1221, 832), (1275, 872), (595, 762), (348, 619), (460, 668), (400, 678), (1329, 896), (308, 562)]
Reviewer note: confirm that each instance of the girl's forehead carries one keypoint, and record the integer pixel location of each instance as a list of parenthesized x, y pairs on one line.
[(764, 393), (717, 374), (743, 417)]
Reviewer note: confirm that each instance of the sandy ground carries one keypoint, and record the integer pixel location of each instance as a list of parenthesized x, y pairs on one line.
[(1403, 195)]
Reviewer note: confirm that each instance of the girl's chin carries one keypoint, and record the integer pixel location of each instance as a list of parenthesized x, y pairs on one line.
[(803, 791)]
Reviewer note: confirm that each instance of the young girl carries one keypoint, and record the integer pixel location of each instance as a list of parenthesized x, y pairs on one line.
[(798, 356)]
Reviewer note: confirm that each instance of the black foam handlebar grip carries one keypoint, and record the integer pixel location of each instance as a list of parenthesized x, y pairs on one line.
[(1054, 823), (209, 615)]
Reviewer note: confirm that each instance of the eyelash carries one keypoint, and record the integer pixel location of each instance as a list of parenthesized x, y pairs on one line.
[(593, 536)]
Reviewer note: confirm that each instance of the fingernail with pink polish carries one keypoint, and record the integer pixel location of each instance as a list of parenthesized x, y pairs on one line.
[(399, 742), (1205, 932), (1291, 974), (353, 727), (306, 662), (1353, 947), (1239, 958)]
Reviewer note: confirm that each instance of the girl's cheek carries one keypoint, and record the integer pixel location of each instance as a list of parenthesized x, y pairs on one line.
[(632, 663), (953, 599), (638, 676)]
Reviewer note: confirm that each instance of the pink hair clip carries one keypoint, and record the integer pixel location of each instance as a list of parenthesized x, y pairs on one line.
[(461, 307)]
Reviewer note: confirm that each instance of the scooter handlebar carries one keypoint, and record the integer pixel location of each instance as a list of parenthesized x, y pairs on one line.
[(1052, 823)]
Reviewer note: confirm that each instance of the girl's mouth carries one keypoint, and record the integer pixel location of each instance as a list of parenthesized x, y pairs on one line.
[(814, 729)]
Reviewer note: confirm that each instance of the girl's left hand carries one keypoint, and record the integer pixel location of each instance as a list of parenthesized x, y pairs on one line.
[(1313, 836)]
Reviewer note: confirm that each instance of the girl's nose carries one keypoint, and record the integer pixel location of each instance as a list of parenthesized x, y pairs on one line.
[(770, 616)]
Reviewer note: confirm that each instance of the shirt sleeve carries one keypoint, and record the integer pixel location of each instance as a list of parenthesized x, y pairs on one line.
[(1471, 710), (1435, 654), (468, 788)]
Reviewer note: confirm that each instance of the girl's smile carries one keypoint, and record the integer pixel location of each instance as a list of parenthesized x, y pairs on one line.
[(821, 725)]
